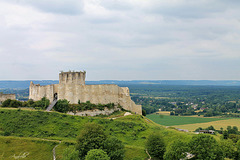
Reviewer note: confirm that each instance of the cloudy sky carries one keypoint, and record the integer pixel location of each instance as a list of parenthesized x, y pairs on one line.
[(120, 39)]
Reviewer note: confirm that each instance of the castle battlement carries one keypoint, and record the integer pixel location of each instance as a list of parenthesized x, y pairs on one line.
[(72, 77)]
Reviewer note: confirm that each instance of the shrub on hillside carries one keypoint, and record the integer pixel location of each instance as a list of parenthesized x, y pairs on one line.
[(42, 104), (6, 133), (204, 146), (62, 106), (91, 137), (144, 113), (81, 106), (176, 150), (114, 148), (70, 153), (6, 103), (97, 154), (15, 104), (228, 148), (94, 137), (237, 155), (234, 137), (12, 103), (30, 102), (155, 146)]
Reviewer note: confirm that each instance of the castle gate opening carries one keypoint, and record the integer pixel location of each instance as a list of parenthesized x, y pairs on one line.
[(55, 96)]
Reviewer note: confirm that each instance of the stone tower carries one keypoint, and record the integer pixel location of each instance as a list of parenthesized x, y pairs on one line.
[(70, 85), (77, 78)]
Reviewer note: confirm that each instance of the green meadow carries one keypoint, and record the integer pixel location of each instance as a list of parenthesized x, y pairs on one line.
[(25, 148), (168, 120), (23, 127)]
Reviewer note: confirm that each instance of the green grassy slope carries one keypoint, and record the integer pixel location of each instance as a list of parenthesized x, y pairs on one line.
[(25, 148), (132, 130), (179, 120)]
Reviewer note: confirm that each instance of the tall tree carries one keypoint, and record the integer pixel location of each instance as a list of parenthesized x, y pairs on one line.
[(91, 137), (97, 154), (70, 153), (155, 146), (94, 137), (176, 150), (114, 148), (205, 147), (237, 155), (228, 148)]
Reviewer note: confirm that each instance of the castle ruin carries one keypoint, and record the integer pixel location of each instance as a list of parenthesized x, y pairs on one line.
[(4, 97), (72, 87)]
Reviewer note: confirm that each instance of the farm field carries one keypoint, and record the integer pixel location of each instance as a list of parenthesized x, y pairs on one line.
[(164, 113), (215, 124), (168, 120)]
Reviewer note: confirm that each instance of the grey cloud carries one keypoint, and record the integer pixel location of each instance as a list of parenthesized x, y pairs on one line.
[(121, 5), (186, 9), (67, 7)]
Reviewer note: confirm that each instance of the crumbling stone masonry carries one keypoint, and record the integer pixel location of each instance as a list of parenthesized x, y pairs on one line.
[(4, 97), (72, 87)]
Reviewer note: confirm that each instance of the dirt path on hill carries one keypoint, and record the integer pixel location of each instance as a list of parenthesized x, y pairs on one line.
[(54, 154), (148, 155)]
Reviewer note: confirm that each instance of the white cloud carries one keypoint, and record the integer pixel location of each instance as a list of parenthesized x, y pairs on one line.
[(120, 39)]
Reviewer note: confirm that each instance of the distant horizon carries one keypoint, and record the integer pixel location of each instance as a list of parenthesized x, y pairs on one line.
[(25, 83), (127, 80)]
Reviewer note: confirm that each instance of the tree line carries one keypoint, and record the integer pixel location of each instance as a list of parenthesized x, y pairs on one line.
[(61, 105), (186, 100)]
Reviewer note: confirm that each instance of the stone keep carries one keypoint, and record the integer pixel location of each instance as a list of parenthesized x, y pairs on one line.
[(72, 87)]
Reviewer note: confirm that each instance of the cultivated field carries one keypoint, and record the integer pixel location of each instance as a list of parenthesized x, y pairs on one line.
[(215, 124), (167, 120)]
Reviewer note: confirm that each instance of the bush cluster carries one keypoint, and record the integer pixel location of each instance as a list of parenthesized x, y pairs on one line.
[(89, 106), (64, 106), (93, 137), (41, 104), (61, 106), (201, 146)]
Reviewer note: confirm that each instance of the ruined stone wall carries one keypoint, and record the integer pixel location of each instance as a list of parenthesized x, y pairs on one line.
[(126, 102), (95, 112), (4, 97), (37, 92), (72, 87), (94, 93), (107, 93)]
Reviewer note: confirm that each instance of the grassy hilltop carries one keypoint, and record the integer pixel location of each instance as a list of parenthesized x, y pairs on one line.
[(34, 134)]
